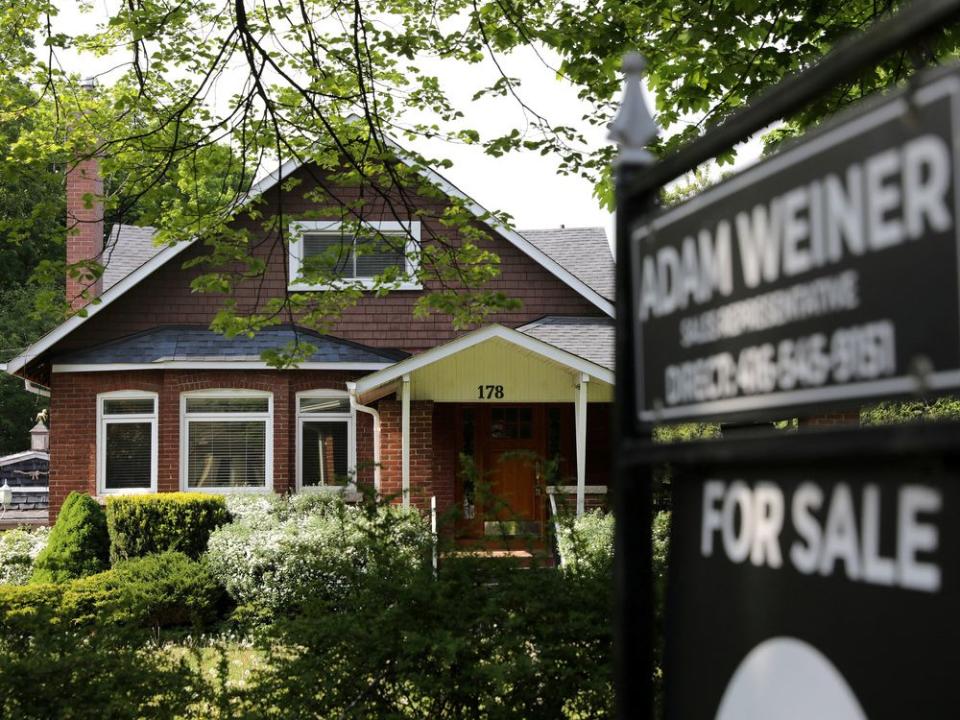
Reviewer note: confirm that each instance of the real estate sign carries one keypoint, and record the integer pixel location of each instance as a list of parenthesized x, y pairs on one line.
[(826, 274), (818, 590)]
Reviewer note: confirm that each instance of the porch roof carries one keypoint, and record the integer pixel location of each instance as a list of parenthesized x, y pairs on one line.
[(528, 370)]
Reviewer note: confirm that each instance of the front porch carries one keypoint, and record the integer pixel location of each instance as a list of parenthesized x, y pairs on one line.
[(501, 428)]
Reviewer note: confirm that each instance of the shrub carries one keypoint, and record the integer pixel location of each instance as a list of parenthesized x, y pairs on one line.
[(18, 552), (480, 640), (155, 591), (312, 549), (143, 524), (586, 542), (78, 544)]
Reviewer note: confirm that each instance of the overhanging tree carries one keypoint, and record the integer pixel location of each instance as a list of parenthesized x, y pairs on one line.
[(325, 83)]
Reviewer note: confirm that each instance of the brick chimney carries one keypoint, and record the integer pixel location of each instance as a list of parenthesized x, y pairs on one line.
[(84, 224)]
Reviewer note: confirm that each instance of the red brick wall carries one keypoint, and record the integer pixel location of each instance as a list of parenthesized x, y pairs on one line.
[(423, 482), (73, 421), (84, 227), (166, 298)]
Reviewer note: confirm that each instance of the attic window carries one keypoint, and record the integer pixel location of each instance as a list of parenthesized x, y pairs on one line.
[(335, 247)]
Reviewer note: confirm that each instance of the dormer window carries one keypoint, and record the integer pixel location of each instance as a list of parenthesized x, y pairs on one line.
[(343, 252)]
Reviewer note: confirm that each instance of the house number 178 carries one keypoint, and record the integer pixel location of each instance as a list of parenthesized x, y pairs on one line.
[(489, 392)]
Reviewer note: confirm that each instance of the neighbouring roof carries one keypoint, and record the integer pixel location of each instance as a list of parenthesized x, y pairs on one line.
[(583, 252), (191, 343), (591, 338), (127, 248)]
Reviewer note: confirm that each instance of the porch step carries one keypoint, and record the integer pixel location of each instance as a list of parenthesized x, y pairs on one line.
[(524, 558)]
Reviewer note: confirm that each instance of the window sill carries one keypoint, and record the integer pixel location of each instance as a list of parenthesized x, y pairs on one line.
[(230, 490), (367, 285)]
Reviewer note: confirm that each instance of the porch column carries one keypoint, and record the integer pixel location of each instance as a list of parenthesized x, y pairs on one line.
[(581, 415), (405, 440)]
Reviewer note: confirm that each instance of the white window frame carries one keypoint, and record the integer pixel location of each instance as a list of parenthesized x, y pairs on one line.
[(104, 420), (267, 417), (409, 229), (350, 417)]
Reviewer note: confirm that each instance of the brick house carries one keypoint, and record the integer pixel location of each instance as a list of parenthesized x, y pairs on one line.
[(145, 398)]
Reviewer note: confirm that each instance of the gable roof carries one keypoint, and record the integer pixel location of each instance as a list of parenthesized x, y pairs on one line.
[(182, 346), (591, 338), (167, 252)]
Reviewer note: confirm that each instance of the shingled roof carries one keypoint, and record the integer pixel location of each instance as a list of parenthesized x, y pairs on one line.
[(591, 338), (583, 252), (191, 343), (127, 248)]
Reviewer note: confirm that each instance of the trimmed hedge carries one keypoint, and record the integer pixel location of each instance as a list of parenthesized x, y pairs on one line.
[(78, 544), (141, 525), (164, 590)]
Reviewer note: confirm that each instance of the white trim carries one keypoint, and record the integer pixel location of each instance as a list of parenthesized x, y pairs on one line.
[(103, 420), (409, 229), (405, 440), (212, 365), (580, 415), (349, 417), (111, 294), (23, 456), (36, 489), (266, 417), (531, 344), (572, 489)]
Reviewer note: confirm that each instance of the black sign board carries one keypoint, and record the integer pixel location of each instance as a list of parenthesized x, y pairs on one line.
[(826, 274), (819, 590)]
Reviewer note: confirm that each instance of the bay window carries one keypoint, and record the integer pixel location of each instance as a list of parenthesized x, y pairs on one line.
[(126, 442), (326, 440), (227, 440)]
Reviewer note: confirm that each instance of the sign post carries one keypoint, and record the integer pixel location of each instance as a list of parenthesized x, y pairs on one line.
[(811, 574)]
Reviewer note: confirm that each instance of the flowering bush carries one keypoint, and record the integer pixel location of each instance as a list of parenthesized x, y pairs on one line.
[(586, 542), (18, 550), (279, 555)]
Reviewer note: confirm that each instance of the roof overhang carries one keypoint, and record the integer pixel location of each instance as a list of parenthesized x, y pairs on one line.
[(210, 365), (368, 386)]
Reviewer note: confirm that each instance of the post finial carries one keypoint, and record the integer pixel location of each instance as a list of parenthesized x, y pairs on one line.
[(633, 127)]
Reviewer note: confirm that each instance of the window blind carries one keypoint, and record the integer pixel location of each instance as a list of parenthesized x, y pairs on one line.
[(226, 454), (340, 255), (128, 406), (311, 405)]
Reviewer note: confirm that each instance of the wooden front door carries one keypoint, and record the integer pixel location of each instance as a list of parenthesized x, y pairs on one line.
[(508, 446)]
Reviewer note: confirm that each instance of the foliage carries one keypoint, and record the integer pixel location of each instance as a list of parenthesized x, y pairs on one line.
[(312, 548), (936, 410), (153, 592), (204, 97), (586, 542), (144, 524), (661, 556), (50, 668), (18, 552), (479, 640), (78, 544)]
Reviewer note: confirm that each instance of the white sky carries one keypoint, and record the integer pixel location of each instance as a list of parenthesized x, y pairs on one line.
[(526, 185)]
